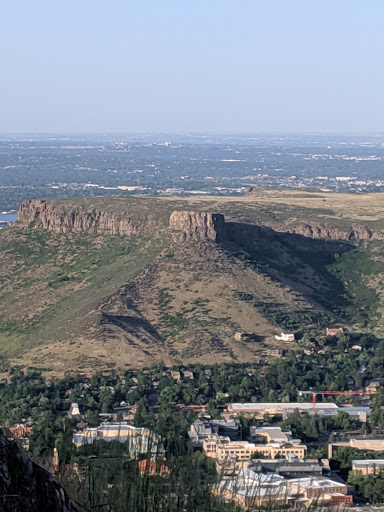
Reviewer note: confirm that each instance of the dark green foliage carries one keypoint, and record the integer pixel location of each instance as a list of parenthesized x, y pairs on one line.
[(370, 487)]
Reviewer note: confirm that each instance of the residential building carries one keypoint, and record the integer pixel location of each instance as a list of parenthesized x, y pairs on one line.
[(329, 331), (372, 386), (202, 429), (74, 410), (20, 430), (368, 467), (176, 376), (152, 467)]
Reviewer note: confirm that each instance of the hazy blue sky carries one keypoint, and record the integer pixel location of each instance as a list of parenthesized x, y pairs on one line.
[(192, 65)]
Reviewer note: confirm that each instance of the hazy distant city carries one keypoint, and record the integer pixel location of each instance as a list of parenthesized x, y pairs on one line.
[(58, 166)]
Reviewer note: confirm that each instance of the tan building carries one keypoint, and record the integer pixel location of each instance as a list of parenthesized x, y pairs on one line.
[(368, 467), (222, 449), (370, 445), (321, 490), (329, 331)]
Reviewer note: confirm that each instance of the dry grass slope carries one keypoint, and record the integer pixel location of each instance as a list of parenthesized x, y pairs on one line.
[(86, 301)]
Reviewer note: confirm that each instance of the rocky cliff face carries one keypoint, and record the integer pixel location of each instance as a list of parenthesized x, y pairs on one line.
[(61, 219), (329, 232), (198, 226), (25, 486)]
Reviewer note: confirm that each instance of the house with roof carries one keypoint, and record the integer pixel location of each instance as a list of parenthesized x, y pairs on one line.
[(333, 331)]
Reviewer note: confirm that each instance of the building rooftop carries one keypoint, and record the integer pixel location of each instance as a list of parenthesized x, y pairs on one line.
[(313, 482), (368, 462), (279, 405)]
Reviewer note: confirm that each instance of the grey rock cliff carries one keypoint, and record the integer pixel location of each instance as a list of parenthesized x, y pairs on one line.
[(64, 219), (25, 486), (198, 226)]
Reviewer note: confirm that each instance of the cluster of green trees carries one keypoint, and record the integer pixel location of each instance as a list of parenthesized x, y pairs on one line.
[(106, 467), (370, 487)]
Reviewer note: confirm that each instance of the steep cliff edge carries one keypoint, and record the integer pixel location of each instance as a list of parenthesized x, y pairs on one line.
[(142, 216), (329, 232), (198, 226), (61, 218), (25, 486)]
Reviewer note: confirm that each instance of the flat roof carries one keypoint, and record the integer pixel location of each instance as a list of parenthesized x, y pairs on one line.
[(279, 405), (311, 482), (368, 462)]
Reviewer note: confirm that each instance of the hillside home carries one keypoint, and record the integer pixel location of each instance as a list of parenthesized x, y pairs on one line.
[(285, 337), (329, 331)]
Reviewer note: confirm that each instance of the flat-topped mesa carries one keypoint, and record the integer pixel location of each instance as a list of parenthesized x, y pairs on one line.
[(198, 226), (62, 218)]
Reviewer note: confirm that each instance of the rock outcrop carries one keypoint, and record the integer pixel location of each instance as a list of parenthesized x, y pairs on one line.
[(198, 226), (25, 486), (64, 219), (135, 218), (329, 232)]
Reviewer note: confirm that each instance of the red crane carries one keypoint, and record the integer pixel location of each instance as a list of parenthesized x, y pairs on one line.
[(325, 393)]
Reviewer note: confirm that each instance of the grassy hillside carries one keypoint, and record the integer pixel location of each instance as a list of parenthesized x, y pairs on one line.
[(84, 301)]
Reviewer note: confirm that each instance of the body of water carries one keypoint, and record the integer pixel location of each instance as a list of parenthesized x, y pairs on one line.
[(7, 218)]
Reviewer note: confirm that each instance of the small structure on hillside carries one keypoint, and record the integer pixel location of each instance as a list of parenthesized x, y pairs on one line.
[(334, 331), (74, 410), (247, 336), (285, 337), (273, 352), (176, 376)]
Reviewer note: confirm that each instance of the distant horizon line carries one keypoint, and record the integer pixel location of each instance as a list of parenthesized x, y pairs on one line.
[(190, 133)]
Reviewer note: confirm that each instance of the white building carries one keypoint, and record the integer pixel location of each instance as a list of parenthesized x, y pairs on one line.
[(285, 337)]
